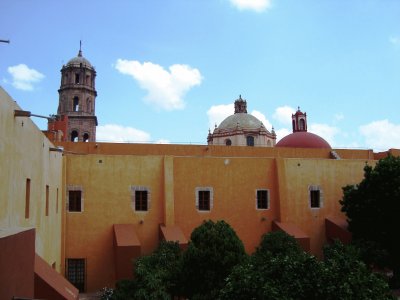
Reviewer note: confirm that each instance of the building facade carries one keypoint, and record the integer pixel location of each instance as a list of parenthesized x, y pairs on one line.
[(86, 210)]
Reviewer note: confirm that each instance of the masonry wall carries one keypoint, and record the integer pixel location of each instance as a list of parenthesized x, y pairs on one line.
[(25, 154), (171, 174)]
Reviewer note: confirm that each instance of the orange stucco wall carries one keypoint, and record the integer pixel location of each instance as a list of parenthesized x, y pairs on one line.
[(172, 173)]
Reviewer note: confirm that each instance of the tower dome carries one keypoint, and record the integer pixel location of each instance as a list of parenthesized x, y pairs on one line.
[(79, 61), (241, 129), (300, 138)]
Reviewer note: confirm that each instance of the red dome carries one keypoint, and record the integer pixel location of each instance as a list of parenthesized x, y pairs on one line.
[(303, 139)]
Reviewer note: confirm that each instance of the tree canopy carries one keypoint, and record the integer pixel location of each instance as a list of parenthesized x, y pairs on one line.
[(373, 209), (215, 266), (213, 251)]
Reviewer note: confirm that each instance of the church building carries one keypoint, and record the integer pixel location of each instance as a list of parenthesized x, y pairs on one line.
[(75, 213)]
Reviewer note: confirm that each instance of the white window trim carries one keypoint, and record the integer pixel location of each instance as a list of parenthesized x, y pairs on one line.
[(209, 189), (75, 188), (321, 197), (268, 199), (135, 188)]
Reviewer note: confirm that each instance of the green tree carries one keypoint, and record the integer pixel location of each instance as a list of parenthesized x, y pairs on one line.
[(156, 275), (213, 251), (345, 276), (373, 209), (279, 269)]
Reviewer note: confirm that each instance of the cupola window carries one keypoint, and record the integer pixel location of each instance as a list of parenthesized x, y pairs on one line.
[(250, 140)]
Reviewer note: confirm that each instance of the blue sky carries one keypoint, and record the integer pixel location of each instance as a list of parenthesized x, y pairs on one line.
[(168, 70)]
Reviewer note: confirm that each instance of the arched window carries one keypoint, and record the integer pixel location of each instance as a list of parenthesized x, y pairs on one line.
[(76, 78), (86, 137), (74, 136), (250, 140), (294, 125), (228, 142), (302, 125), (75, 106)]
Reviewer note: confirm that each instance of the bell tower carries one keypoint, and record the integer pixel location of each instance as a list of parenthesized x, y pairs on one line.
[(77, 98), (299, 121)]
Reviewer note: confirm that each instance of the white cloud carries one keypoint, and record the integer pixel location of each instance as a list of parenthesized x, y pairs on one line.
[(283, 114), (23, 77), (166, 88), (325, 131), (281, 133), (263, 119), (256, 5), (395, 40), (118, 133), (217, 113), (381, 135)]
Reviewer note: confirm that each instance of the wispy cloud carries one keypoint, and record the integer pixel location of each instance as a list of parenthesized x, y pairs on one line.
[(381, 135), (166, 88), (283, 114), (259, 115), (395, 40), (325, 131), (23, 78), (254, 5), (118, 133), (217, 113)]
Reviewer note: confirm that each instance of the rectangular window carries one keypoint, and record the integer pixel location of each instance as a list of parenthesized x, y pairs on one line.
[(75, 201), (314, 199), (27, 197), (76, 273), (141, 200), (76, 78), (315, 196), (262, 199), (204, 200), (47, 200)]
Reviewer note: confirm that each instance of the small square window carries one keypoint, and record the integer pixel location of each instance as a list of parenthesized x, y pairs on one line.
[(204, 200), (75, 201), (262, 199), (141, 200)]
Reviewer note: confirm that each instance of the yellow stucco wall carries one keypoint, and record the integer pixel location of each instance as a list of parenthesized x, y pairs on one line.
[(296, 175), (24, 153), (172, 173)]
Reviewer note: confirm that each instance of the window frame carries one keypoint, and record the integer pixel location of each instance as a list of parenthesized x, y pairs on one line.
[(258, 199), (250, 141), (210, 192), (134, 204), (312, 189), (68, 204)]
